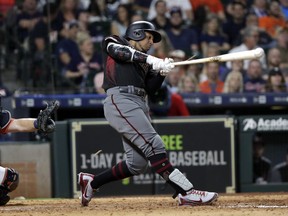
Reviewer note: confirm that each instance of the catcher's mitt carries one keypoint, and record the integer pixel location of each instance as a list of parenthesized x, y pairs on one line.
[(44, 122)]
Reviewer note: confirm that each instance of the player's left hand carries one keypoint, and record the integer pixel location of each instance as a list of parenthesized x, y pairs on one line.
[(166, 71), (44, 122)]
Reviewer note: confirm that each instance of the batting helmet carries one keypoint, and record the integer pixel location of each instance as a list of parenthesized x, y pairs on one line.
[(136, 31)]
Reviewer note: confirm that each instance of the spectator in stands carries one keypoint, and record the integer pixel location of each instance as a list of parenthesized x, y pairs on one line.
[(112, 6), (213, 50), (273, 59), (259, 8), (233, 82), (194, 70), (99, 24), (282, 45), (280, 170), (250, 41), (276, 82), (188, 84), (178, 55), (236, 65), (284, 8), (98, 11), (122, 20), (46, 30), (213, 84), (83, 21), (167, 103), (235, 23), (44, 38), (161, 49), (261, 164), (212, 32), (67, 49), (82, 69), (253, 81), (68, 12), (172, 80), (214, 7), (9, 26), (181, 37), (274, 20), (265, 40), (161, 21), (200, 16), (184, 6), (27, 19), (5, 6), (229, 5), (137, 16), (140, 5)]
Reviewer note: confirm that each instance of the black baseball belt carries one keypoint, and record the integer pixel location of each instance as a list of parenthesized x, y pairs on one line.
[(133, 90)]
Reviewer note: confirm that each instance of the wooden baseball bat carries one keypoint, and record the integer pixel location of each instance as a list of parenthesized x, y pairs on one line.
[(242, 55)]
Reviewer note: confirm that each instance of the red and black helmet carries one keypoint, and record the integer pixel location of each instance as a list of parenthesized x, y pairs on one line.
[(136, 31)]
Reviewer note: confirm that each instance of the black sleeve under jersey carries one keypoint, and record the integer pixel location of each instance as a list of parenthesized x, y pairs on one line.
[(125, 53), (153, 82), (120, 50)]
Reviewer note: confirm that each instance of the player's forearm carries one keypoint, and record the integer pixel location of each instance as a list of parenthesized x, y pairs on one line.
[(22, 125), (126, 53)]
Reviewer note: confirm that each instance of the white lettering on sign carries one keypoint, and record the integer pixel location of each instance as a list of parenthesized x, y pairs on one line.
[(177, 158), (249, 124), (197, 158), (101, 161), (265, 124)]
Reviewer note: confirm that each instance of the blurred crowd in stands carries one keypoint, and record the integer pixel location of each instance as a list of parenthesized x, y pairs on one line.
[(56, 44)]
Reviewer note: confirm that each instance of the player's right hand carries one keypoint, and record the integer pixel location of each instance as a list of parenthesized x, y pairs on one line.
[(160, 64)]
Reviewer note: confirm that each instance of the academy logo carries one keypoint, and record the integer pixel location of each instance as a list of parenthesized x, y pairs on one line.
[(249, 124), (262, 124)]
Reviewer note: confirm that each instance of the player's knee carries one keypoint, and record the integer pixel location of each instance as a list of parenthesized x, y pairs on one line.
[(158, 146), (11, 180)]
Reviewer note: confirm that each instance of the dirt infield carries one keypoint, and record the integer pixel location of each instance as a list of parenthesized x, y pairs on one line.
[(263, 204)]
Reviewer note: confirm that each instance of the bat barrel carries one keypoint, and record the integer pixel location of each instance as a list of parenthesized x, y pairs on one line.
[(243, 55)]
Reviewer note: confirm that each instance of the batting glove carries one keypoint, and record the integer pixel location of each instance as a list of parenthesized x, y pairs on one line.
[(160, 64), (166, 72)]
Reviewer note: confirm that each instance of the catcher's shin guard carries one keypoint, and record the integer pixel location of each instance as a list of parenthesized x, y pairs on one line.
[(9, 178)]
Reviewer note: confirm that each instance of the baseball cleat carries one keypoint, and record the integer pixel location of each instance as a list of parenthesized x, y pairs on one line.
[(84, 180), (197, 197)]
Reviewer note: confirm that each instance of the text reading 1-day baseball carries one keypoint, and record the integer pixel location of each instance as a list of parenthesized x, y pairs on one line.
[(177, 158)]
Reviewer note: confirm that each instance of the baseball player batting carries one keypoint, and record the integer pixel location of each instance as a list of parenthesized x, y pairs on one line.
[(129, 76), (9, 177)]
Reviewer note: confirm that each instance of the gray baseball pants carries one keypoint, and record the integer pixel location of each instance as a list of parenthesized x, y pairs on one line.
[(128, 114)]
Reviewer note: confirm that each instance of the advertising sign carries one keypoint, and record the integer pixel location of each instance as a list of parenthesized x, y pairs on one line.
[(264, 123), (202, 149)]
